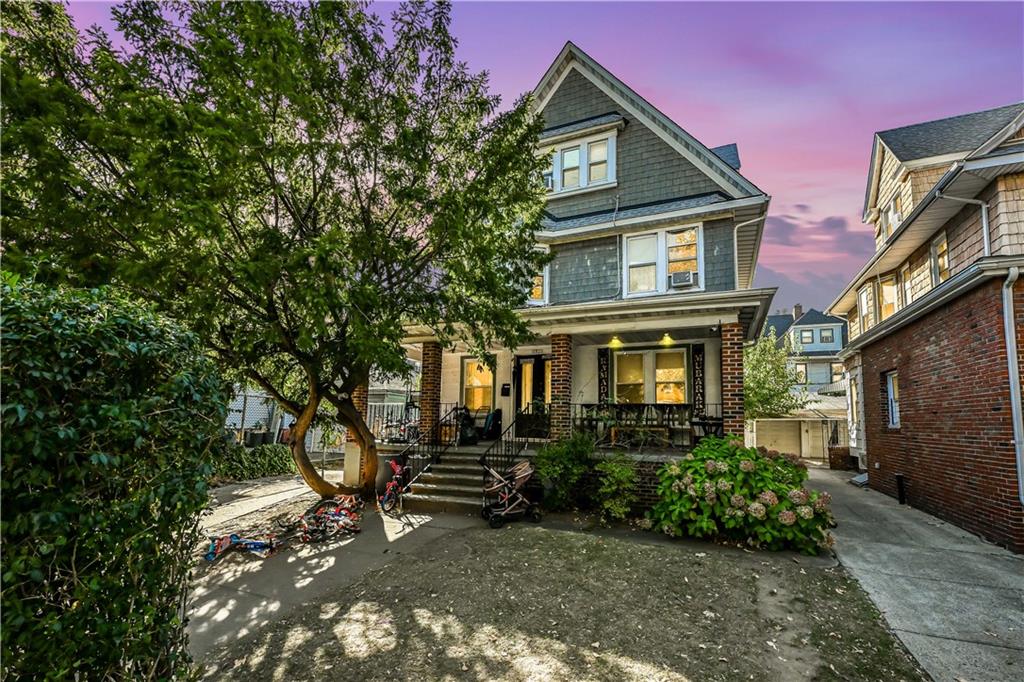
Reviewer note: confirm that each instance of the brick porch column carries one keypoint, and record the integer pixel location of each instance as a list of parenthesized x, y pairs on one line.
[(361, 398), (430, 387), (561, 385), (732, 378)]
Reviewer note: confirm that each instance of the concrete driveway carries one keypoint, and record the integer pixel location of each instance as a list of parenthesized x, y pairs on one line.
[(956, 601)]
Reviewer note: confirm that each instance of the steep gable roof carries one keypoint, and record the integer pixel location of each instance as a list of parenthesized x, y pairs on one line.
[(779, 322), (572, 57), (813, 316), (962, 133)]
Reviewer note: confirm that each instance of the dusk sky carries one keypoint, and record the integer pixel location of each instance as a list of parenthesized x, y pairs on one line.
[(800, 87)]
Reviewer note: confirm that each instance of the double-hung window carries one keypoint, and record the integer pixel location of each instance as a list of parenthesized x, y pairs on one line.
[(801, 372), (886, 297), (570, 168), (836, 369), (863, 309), (642, 263), (906, 286), (477, 385), (940, 260), (597, 161), (651, 260), (646, 376), (892, 394), (806, 336), (828, 335), (895, 216)]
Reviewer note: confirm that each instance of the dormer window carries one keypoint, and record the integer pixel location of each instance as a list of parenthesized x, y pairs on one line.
[(828, 335), (581, 165), (895, 212)]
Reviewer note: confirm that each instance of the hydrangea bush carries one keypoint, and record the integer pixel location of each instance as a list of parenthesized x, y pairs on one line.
[(723, 489)]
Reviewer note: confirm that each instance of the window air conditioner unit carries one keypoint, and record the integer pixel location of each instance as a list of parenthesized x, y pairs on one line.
[(683, 279)]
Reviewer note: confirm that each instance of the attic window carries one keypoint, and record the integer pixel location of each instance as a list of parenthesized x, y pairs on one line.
[(581, 165)]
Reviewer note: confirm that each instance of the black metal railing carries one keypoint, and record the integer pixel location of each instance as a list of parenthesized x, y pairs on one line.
[(502, 454), (645, 425), (428, 448), (394, 422), (534, 421)]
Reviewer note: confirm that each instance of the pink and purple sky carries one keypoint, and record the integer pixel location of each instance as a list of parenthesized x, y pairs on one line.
[(800, 87)]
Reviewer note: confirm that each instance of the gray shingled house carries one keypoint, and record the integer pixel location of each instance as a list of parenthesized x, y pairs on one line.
[(642, 313)]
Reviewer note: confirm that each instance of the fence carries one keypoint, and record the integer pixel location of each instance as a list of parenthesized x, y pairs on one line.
[(254, 419)]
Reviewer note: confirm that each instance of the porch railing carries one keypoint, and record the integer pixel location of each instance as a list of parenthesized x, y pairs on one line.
[(502, 454), (534, 421), (640, 425), (428, 448)]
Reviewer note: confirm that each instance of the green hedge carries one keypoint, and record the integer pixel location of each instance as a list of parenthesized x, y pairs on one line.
[(109, 415), (236, 463), (723, 489)]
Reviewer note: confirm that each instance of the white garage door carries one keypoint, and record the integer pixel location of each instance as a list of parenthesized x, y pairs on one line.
[(781, 435)]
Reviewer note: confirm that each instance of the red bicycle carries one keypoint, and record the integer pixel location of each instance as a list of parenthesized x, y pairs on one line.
[(395, 487)]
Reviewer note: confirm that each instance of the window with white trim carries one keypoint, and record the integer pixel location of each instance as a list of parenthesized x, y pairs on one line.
[(650, 259), (539, 286), (895, 213), (651, 376), (906, 286), (581, 164), (836, 369), (892, 396), (863, 308), (940, 260), (886, 297)]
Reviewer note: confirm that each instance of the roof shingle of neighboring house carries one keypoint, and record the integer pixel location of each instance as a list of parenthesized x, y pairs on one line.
[(813, 316), (945, 136), (729, 153), (780, 322)]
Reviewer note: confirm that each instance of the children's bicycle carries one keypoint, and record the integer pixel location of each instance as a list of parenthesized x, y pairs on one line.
[(395, 488)]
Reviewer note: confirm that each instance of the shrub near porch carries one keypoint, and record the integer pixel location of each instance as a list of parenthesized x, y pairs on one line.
[(725, 490)]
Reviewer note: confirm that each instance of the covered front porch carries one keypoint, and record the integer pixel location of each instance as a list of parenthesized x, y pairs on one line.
[(635, 375)]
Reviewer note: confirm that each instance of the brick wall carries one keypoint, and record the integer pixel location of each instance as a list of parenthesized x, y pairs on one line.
[(732, 378), (839, 458), (430, 386), (561, 385), (954, 443), (361, 398)]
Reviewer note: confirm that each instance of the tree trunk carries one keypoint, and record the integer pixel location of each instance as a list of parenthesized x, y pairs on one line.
[(350, 417), (310, 475)]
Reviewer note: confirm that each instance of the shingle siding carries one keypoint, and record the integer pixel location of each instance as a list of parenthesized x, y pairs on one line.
[(719, 256), (585, 271), (648, 169)]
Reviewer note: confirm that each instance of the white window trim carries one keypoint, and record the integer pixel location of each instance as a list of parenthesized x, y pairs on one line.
[(661, 264), (863, 313), (584, 144), (796, 366), (547, 281), (650, 364), (906, 285), (893, 405), (880, 300)]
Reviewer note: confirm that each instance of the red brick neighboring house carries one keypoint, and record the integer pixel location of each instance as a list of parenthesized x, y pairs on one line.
[(936, 322)]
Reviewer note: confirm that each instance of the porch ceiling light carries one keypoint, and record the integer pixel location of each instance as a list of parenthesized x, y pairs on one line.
[(667, 340), (615, 342)]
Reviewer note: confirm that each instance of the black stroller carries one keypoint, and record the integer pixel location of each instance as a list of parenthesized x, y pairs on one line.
[(511, 503)]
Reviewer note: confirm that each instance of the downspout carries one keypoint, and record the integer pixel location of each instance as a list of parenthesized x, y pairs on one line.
[(984, 218), (1010, 333)]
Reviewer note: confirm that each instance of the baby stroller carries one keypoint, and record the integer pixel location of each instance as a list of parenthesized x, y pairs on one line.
[(511, 503)]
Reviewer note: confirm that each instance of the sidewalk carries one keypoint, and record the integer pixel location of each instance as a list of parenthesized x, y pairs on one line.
[(956, 602)]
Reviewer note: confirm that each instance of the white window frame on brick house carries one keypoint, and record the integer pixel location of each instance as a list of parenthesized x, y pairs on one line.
[(892, 397), (661, 275), (939, 244), (555, 152), (887, 282), (545, 273), (831, 335)]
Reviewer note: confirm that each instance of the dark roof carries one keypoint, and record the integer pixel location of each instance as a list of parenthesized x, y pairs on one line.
[(947, 135), (779, 322), (729, 153), (642, 210), (582, 124), (813, 316)]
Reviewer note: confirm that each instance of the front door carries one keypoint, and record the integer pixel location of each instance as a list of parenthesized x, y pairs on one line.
[(531, 380)]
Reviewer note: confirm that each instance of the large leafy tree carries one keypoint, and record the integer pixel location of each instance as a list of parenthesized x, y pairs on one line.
[(297, 182), (771, 385)]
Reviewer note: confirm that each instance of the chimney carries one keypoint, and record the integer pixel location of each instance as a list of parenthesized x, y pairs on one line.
[(798, 310)]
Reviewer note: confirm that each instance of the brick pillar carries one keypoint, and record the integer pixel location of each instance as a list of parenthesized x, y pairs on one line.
[(361, 398), (561, 385), (732, 378), (430, 387)]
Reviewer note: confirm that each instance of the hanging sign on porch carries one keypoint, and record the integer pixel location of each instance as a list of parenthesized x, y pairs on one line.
[(698, 378), (603, 374)]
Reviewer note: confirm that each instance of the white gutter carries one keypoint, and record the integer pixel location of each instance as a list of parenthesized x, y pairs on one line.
[(1010, 333), (984, 217)]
